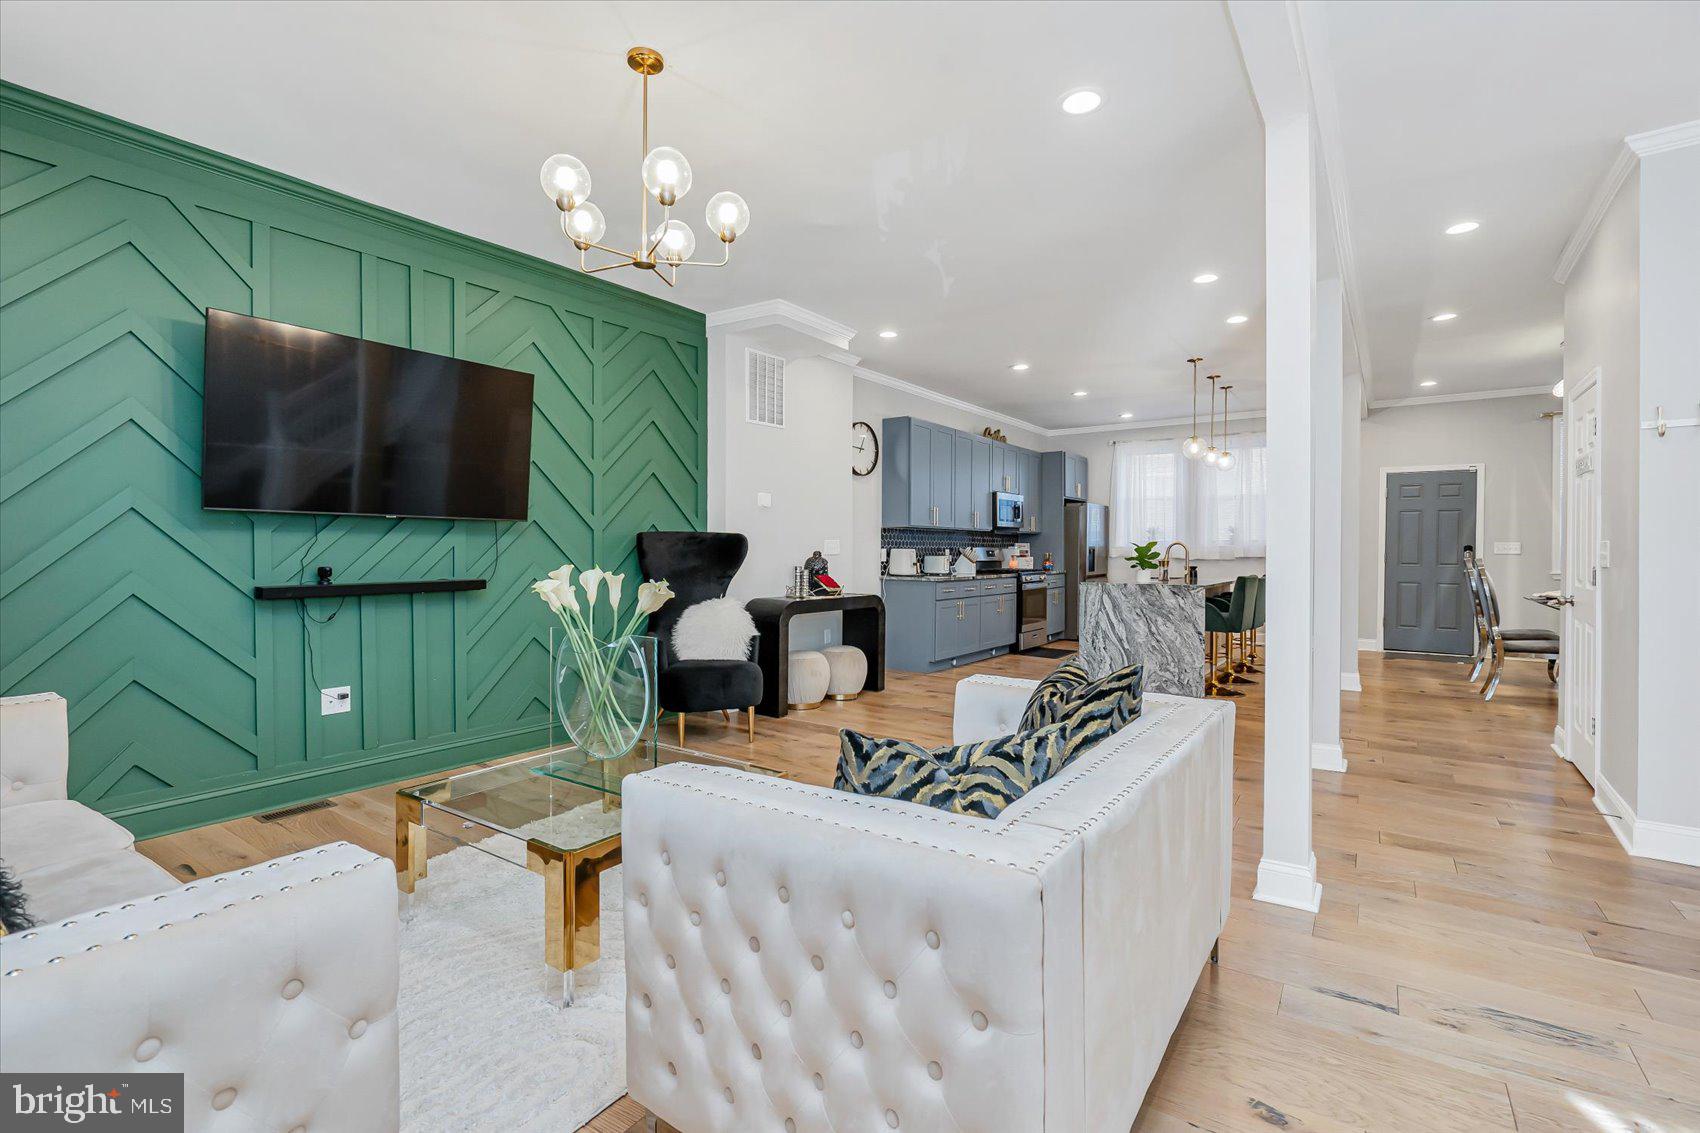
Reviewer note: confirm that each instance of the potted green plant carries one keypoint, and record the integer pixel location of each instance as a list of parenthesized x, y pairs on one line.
[(1145, 560)]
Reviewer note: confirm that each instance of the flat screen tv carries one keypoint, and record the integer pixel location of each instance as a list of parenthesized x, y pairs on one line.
[(299, 420)]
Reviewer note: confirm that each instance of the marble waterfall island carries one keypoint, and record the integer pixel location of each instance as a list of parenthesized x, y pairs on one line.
[(1156, 624)]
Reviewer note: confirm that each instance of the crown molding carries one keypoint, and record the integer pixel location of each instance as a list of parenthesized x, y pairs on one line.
[(1666, 138), (1326, 107), (945, 399), (1483, 395), (1621, 167), (1154, 423), (784, 313)]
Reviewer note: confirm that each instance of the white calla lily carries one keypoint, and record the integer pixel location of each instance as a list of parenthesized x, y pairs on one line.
[(652, 596), (616, 585), (591, 580)]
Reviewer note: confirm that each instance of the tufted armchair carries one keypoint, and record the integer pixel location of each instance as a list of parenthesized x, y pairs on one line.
[(802, 960), (272, 989)]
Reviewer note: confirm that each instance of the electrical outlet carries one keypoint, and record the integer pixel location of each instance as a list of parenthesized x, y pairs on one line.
[(831, 547), (764, 499), (336, 701), (1508, 548)]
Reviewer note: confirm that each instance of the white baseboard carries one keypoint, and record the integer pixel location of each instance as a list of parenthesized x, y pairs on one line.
[(1558, 743), (1661, 841), (1350, 682), (1369, 645), (1282, 883), (1327, 757)]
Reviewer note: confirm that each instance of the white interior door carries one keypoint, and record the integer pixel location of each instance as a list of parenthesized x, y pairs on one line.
[(1581, 630)]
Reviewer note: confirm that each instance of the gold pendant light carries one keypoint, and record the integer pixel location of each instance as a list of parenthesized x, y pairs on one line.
[(1194, 448), (1213, 454), (1227, 460), (666, 178)]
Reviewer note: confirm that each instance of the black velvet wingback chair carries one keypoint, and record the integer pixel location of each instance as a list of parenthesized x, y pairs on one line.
[(698, 565)]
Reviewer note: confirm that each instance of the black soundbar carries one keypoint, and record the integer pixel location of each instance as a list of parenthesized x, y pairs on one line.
[(361, 589)]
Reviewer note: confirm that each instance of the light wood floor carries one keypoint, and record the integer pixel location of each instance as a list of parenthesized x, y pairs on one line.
[(1486, 956)]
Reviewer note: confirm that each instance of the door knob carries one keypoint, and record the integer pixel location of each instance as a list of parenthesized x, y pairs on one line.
[(1564, 600)]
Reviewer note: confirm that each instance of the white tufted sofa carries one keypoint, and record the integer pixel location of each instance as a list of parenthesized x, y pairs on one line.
[(271, 989), (802, 960)]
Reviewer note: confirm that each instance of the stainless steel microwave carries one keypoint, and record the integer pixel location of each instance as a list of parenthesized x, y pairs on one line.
[(1008, 511)]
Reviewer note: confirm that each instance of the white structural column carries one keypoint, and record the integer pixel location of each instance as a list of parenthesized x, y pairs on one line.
[(1269, 44), (1351, 462), (1327, 462)]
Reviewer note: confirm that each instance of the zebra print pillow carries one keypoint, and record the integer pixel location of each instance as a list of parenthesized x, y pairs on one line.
[(1049, 695), (983, 778)]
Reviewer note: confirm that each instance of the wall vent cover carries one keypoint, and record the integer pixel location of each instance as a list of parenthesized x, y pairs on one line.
[(764, 389)]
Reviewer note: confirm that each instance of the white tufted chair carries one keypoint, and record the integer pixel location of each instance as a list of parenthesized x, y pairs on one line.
[(272, 989), (802, 960)]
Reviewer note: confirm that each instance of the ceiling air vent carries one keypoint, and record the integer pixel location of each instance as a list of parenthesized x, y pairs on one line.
[(764, 389)]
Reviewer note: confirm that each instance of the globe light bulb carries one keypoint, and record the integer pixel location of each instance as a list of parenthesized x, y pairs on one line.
[(566, 181), (727, 216), (674, 242), (1226, 461), (1193, 447), (666, 174), (584, 225), (1211, 456)]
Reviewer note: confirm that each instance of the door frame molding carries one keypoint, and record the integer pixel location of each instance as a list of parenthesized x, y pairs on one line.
[(1479, 468), (1566, 624)]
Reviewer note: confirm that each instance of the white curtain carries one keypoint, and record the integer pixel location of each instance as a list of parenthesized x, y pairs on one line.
[(1157, 493)]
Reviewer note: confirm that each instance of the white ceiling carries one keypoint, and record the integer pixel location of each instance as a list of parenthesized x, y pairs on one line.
[(1504, 113), (908, 167)]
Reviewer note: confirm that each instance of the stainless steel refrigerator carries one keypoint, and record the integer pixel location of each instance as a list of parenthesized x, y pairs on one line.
[(1086, 553)]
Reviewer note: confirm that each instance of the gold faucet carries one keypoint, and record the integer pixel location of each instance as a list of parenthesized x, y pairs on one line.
[(1164, 562)]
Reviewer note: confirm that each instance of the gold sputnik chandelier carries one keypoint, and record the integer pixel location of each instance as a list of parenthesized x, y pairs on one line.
[(666, 178)]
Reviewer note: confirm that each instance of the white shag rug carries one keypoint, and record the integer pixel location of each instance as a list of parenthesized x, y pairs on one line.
[(482, 1045)]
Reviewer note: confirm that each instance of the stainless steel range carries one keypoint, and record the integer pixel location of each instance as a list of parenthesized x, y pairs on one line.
[(1030, 610)]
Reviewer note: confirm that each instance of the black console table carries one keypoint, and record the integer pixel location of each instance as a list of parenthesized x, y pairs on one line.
[(864, 627)]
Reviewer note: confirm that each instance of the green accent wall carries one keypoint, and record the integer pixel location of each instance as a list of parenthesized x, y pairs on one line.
[(190, 701)]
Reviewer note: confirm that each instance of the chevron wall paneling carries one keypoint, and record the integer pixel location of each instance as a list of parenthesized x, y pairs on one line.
[(191, 702)]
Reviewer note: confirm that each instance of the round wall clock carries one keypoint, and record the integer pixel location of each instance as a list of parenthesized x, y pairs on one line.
[(864, 449)]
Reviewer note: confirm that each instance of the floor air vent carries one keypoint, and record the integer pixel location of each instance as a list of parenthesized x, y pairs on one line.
[(292, 811)]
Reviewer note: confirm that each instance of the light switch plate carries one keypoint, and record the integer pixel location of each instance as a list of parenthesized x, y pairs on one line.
[(336, 701), (1508, 548), (830, 547), (764, 499)]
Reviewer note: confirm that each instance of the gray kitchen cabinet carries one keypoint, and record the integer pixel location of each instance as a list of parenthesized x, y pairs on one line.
[(1056, 609), (919, 458), (934, 624), (943, 476), (1029, 477), (963, 502), (981, 516), (1075, 483)]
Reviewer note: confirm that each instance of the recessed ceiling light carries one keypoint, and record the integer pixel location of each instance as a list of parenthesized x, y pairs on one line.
[(1125, 416), (1081, 101), (1207, 277), (1428, 382), (1079, 393), (1462, 227), (1443, 317), (1019, 366), (1235, 320), (888, 334)]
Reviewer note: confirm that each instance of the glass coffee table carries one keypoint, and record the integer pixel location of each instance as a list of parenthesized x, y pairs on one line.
[(557, 812)]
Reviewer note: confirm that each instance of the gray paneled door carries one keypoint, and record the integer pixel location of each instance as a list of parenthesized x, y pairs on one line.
[(1431, 517)]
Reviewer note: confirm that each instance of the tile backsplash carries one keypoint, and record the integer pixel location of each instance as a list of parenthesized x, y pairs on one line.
[(932, 539)]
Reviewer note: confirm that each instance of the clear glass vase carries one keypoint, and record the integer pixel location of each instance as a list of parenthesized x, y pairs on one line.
[(605, 694)]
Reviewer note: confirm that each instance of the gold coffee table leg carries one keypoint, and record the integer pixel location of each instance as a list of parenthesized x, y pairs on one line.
[(409, 842), (572, 905)]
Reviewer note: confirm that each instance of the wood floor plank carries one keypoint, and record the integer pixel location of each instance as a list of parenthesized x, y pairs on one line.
[(1486, 955)]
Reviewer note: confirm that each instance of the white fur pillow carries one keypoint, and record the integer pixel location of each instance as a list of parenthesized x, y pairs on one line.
[(716, 630)]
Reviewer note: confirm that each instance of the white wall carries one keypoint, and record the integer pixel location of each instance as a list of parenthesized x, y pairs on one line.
[(1669, 521), (1514, 445), (1602, 304), (804, 468)]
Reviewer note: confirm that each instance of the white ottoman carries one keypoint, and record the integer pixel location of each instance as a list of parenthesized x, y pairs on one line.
[(809, 677), (849, 667)]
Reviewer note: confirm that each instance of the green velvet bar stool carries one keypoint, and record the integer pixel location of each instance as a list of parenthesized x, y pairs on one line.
[(1222, 622), (1253, 653)]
